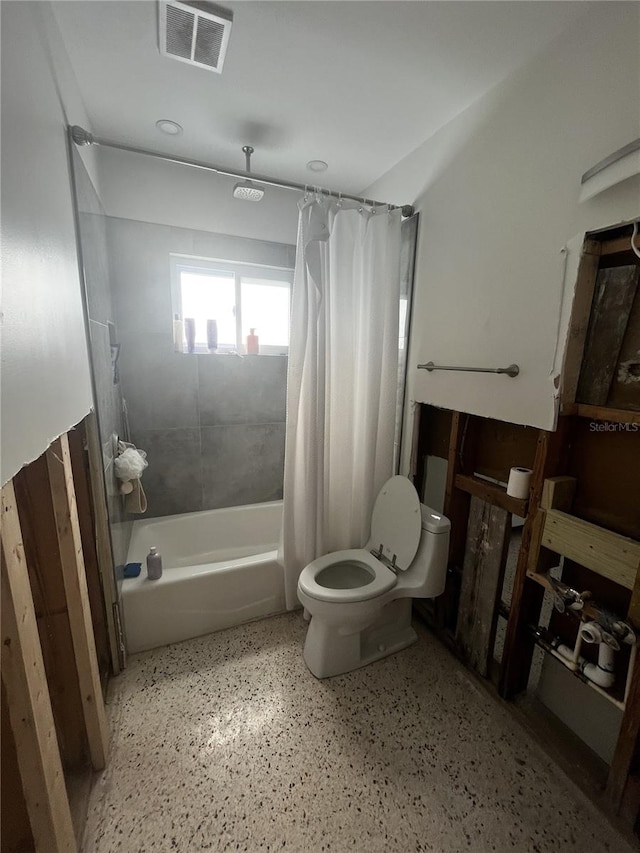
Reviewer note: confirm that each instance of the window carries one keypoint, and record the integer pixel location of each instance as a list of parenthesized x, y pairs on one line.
[(238, 297)]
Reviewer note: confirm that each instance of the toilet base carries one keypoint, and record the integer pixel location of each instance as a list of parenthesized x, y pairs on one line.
[(329, 650)]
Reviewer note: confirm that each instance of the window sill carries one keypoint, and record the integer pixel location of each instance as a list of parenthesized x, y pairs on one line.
[(226, 353)]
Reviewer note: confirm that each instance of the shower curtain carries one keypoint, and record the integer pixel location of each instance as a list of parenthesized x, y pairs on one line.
[(342, 380)]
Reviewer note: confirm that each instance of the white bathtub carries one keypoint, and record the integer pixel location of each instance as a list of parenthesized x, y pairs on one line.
[(219, 570)]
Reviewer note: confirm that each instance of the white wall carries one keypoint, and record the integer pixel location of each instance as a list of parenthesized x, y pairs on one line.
[(497, 190), (137, 187), (46, 386)]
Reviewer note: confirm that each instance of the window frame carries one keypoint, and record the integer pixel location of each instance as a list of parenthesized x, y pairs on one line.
[(206, 266)]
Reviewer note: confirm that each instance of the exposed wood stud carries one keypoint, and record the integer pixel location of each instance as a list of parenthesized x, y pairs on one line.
[(634, 605), (40, 540), (86, 518), (75, 584), (415, 446), (27, 693), (456, 503), (580, 313), (103, 540), (456, 508), (626, 747), (526, 597)]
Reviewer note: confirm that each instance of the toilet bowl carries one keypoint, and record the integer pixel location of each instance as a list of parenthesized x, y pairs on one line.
[(359, 600)]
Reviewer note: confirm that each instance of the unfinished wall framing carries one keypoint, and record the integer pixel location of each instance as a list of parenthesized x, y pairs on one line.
[(582, 517), (54, 650)]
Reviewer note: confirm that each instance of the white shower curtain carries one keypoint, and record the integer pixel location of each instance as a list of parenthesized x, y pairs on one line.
[(342, 382)]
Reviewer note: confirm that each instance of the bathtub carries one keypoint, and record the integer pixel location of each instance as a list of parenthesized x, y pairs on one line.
[(219, 570)]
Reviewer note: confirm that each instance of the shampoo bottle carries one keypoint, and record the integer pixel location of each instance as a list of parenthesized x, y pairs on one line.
[(252, 343), (154, 564), (212, 335), (178, 334)]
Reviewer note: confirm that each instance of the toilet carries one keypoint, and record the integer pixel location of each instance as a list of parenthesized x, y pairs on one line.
[(359, 601)]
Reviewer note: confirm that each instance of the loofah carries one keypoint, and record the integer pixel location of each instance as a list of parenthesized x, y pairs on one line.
[(130, 462)]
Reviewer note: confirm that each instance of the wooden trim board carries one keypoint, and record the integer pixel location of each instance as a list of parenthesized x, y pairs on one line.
[(608, 554), (28, 700)]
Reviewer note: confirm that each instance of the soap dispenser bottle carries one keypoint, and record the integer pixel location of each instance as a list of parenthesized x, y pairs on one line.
[(252, 342), (154, 564)]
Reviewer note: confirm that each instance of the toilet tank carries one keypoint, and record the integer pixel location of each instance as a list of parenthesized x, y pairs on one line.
[(428, 571)]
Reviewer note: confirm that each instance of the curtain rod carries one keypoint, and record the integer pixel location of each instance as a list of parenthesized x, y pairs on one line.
[(82, 137)]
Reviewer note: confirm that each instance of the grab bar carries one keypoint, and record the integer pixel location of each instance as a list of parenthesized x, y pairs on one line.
[(512, 370)]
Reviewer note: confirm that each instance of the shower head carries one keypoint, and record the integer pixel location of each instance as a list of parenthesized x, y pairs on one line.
[(247, 190)]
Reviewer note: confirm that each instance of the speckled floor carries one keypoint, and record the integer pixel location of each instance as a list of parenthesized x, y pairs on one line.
[(227, 742)]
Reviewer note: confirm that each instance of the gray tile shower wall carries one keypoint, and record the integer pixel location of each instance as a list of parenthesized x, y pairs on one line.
[(212, 425), (100, 309)]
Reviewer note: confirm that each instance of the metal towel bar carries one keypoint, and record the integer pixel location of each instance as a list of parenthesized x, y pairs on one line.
[(512, 370)]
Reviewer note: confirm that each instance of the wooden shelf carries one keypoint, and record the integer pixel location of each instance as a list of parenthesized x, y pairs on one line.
[(602, 413), (492, 493)]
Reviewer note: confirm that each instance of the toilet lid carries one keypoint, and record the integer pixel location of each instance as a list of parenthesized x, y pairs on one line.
[(396, 522)]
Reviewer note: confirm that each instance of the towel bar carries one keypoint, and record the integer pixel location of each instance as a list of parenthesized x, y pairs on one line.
[(512, 370)]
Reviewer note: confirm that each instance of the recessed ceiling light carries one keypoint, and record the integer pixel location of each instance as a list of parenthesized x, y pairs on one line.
[(317, 165), (172, 128)]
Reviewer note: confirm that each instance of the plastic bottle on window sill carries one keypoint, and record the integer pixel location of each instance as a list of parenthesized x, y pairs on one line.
[(252, 343), (178, 334), (212, 335), (154, 564), (190, 333)]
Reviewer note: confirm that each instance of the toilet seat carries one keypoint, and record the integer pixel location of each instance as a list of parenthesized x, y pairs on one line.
[(382, 580)]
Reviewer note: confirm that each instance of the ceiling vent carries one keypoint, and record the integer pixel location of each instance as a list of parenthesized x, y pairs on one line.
[(195, 32)]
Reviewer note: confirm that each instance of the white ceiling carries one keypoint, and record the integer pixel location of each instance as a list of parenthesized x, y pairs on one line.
[(358, 84)]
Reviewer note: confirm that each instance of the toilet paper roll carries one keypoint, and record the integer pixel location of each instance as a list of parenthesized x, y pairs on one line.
[(519, 482)]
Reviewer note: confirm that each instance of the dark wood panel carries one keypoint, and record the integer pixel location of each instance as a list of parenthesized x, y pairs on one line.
[(483, 573), (605, 460), (612, 301), (625, 387), (438, 430), (496, 447)]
